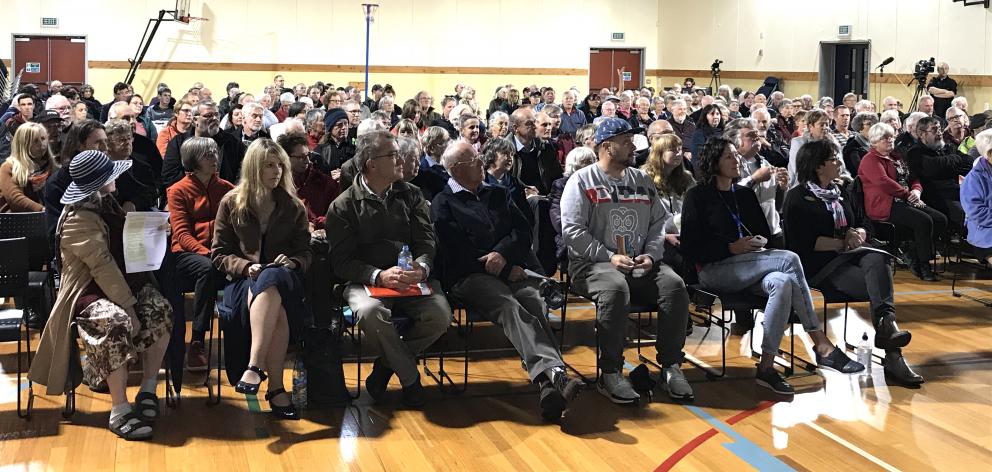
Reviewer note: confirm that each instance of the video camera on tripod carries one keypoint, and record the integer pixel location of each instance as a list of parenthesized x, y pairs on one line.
[(715, 67), (715, 75), (922, 69)]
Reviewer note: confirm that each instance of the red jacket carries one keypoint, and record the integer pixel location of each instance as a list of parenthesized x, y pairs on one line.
[(317, 190), (878, 177), (192, 209)]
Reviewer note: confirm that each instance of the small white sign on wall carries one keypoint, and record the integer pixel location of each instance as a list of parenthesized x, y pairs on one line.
[(33, 68), (627, 77)]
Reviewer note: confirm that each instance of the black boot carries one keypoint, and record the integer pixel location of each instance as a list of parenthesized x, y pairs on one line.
[(556, 391), (926, 273), (377, 381), (897, 369), (889, 336)]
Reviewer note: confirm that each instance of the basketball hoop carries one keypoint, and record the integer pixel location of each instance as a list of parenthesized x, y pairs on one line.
[(182, 13)]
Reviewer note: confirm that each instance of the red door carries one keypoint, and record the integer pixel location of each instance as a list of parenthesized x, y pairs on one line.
[(47, 58), (608, 67)]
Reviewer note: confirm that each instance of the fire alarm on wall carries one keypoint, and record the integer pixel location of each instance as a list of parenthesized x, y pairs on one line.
[(844, 31)]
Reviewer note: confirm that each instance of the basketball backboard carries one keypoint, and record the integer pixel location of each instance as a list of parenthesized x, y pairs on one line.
[(182, 11)]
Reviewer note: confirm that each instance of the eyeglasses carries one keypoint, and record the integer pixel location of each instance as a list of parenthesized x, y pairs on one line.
[(209, 116), (185, 111), (474, 162), (395, 155)]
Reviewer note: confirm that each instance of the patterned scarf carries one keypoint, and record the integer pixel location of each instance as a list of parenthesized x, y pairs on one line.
[(831, 197)]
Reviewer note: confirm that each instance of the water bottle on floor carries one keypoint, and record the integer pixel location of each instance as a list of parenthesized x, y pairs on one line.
[(863, 352), (300, 384)]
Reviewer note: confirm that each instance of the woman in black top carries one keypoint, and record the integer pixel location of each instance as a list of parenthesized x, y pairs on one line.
[(721, 222), (820, 227), (710, 124)]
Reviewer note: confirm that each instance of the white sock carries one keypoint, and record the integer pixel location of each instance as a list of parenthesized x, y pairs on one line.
[(118, 411), (149, 385)]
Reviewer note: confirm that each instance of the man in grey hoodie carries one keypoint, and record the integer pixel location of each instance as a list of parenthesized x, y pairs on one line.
[(613, 224)]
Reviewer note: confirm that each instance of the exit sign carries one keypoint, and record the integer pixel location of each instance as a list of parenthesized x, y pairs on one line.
[(618, 36), (49, 22)]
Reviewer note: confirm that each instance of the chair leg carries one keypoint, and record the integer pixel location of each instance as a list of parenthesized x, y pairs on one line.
[(358, 362), (24, 413)]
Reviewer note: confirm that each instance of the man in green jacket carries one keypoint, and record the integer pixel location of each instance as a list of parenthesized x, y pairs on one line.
[(367, 227)]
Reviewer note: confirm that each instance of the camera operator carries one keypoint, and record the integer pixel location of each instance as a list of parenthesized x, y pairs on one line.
[(942, 88)]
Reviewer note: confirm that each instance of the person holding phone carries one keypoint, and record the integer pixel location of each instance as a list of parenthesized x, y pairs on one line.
[(262, 244), (724, 231)]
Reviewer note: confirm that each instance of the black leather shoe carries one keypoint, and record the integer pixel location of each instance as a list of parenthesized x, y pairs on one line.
[(377, 381), (414, 395), (898, 369), (250, 388), (288, 412), (839, 362), (926, 273), (556, 391), (889, 336)]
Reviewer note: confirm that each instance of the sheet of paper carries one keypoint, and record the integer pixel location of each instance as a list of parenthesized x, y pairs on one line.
[(145, 240)]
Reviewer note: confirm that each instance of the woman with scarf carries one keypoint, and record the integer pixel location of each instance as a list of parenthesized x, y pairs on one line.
[(820, 228), (23, 175)]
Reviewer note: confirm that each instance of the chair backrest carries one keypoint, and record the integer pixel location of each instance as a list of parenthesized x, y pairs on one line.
[(33, 227), (13, 267)]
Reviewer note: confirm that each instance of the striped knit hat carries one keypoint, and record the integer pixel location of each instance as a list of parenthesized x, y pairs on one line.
[(90, 171)]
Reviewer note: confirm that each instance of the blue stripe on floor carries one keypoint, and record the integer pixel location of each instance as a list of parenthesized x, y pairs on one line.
[(741, 447)]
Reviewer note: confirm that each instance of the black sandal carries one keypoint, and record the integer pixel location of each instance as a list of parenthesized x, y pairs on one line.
[(250, 388), (288, 412), (127, 426), (146, 401)]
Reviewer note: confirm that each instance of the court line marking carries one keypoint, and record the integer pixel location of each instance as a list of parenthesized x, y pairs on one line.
[(742, 447), (857, 450), (690, 446)]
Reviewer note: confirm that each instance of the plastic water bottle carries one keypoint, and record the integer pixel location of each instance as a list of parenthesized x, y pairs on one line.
[(300, 384), (863, 351), (405, 260)]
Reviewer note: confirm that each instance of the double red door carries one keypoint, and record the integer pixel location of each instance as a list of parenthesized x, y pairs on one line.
[(604, 64), (48, 58)]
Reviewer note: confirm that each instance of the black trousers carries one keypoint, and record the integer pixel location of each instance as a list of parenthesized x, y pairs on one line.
[(865, 277), (206, 282), (925, 224)]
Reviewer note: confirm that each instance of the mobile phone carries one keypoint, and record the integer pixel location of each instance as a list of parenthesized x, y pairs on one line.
[(759, 240)]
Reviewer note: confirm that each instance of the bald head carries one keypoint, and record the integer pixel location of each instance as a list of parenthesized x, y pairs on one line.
[(462, 162), (657, 128), (524, 126)]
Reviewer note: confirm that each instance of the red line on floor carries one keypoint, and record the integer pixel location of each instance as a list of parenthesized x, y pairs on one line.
[(706, 435)]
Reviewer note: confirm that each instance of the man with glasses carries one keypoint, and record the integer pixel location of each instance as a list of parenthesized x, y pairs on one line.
[(613, 224), (354, 111), (485, 272), (367, 225), (938, 167), (206, 124), (957, 126), (757, 174), (143, 149)]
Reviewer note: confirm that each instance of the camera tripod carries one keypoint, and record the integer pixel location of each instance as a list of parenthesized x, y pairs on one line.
[(920, 89), (714, 79)]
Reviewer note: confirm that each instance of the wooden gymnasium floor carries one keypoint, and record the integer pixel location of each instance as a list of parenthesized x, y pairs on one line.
[(835, 421)]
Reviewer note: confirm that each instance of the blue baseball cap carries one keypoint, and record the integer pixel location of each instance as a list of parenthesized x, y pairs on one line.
[(611, 127)]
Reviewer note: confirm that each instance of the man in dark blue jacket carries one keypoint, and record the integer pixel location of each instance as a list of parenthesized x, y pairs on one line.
[(485, 241)]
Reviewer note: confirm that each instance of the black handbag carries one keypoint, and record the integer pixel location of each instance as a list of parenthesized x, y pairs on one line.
[(322, 361)]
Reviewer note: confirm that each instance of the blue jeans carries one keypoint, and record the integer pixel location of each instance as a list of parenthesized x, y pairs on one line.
[(775, 273)]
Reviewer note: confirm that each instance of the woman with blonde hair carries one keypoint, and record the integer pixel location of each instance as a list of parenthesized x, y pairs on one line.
[(23, 174), (262, 243), (666, 167)]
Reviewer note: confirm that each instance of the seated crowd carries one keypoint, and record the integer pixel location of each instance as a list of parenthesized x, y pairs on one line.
[(415, 210)]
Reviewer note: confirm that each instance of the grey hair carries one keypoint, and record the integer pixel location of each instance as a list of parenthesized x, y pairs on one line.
[(732, 130), (551, 110), (384, 99), (889, 115), (785, 102), (958, 100), (455, 115), (584, 133), (863, 106), (248, 107), (984, 143), (409, 148), (369, 125), (570, 93), (880, 131), (435, 136), (861, 119), (115, 127), (193, 149), (910, 122), (368, 143), (924, 97), (493, 148), (497, 115), (578, 158), (643, 99), (452, 152), (287, 98), (312, 117), (112, 112), (925, 123), (824, 101), (210, 104)]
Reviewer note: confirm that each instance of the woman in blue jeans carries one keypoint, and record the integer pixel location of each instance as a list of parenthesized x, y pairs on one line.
[(721, 225)]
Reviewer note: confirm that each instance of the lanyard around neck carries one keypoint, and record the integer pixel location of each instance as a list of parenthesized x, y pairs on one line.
[(735, 213)]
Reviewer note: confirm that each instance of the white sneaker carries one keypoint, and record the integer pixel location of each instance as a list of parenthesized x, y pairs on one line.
[(617, 388), (675, 383)]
